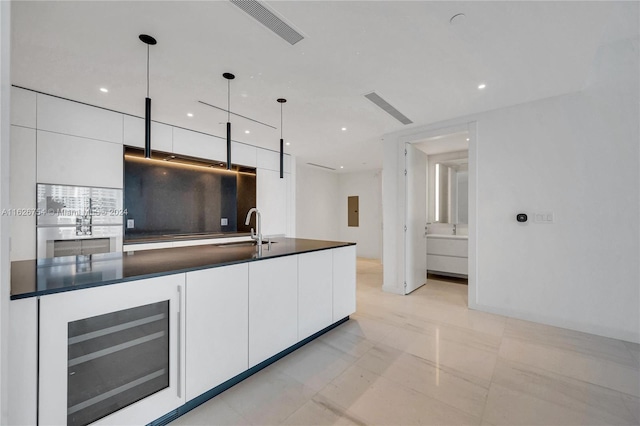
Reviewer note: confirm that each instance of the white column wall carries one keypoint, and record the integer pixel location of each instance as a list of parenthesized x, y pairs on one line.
[(575, 155)]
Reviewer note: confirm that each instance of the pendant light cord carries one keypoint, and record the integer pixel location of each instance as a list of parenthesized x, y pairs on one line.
[(281, 130), (229, 100)]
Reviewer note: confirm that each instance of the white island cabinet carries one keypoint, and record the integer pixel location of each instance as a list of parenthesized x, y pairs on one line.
[(113, 333), (315, 295), (217, 326), (151, 349), (273, 307)]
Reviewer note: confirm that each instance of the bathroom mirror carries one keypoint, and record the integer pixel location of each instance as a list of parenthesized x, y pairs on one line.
[(451, 192)]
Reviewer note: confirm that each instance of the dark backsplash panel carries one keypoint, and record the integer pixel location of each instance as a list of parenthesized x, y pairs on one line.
[(167, 198)]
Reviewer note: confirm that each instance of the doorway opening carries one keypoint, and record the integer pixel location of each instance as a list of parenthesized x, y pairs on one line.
[(439, 189)]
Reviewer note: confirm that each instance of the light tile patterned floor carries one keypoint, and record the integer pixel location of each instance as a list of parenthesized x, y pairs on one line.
[(427, 359)]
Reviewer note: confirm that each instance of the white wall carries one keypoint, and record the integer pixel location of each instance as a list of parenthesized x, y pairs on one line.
[(317, 209), (575, 155), (368, 235)]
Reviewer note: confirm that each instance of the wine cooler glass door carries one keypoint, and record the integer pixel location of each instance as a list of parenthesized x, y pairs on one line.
[(112, 354)]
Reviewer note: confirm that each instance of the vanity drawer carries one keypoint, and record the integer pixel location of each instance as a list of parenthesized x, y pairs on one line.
[(447, 246), (453, 265)]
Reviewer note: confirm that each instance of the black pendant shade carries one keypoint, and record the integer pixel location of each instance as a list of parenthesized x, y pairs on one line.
[(149, 41), (229, 77), (281, 101)]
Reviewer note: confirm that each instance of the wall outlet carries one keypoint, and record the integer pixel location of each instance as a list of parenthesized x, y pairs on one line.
[(224, 221), (130, 224)]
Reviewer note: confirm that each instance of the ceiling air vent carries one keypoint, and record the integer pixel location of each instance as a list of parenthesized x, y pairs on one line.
[(322, 167), (376, 99), (269, 19)]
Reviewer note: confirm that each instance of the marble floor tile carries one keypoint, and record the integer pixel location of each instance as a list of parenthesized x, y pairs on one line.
[(315, 364), (319, 411), (267, 397), (583, 343), (508, 407), (348, 343), (540, 388), (379, 401), (634, 348), (620, 377), (213, 412), (463, 391)]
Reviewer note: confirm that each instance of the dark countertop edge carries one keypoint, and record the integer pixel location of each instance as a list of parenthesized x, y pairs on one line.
[(152, 240), (161, 274)]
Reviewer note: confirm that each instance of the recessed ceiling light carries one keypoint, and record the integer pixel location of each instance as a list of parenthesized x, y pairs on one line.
[(104, 90), (189, 114), (288, 143), (467, 139), (342, 167), (482, 86), (247, 131)]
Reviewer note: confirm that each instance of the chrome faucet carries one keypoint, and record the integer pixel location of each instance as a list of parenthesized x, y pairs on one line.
[(257, 236)]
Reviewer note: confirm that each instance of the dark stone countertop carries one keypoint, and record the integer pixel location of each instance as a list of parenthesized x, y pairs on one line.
[(31, 278)]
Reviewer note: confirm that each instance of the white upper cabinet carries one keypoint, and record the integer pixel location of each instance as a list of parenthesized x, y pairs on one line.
[(244, 155), (270, 160), (23, 107), (69, 160), (161, 134), (23, 192), (199, 145), (272, 201), (76, 119)]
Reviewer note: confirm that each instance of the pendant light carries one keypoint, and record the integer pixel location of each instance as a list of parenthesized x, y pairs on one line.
[(229, 77), (149, 41), (281, 101)]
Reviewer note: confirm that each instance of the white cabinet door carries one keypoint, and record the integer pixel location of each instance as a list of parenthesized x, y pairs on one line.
[(23, 107), (23, 192), (161, 134), (76, 119), (199, 145), (344, 282), (70, 160), (273, 307), (242, 154), (315, 300), (272, 201), (217, 310), (23, 359), (58, 315)]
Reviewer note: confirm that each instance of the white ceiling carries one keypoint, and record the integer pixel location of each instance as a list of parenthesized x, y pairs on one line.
[(406, 51)]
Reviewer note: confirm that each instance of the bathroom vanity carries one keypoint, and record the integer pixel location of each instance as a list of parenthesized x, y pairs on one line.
[(448, 254)]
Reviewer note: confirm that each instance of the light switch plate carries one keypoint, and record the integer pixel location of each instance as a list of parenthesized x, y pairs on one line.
[(224, 221), (544, 217), (130, 224)]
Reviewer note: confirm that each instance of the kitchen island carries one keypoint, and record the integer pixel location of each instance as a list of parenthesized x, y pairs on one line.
[(180, 325)]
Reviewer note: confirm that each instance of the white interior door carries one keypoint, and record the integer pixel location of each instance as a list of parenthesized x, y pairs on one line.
[(415, 241)]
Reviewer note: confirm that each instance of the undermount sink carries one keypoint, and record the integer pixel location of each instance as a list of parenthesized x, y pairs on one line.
[(243, 244)]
